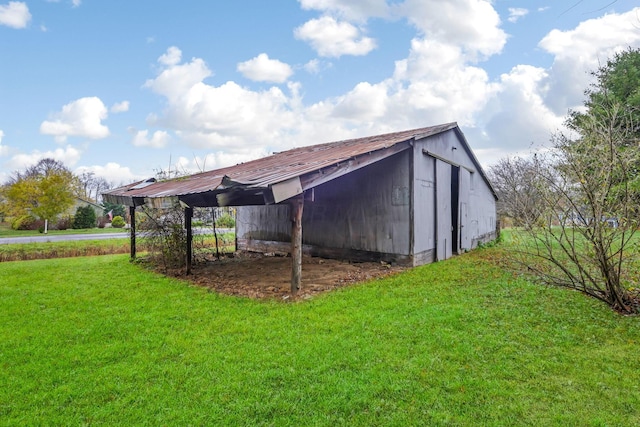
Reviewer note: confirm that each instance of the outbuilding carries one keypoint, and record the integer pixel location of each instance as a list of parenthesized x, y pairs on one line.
[(409, 197)]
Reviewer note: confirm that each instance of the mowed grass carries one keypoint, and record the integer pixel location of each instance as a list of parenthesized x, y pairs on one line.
[(101, 341)]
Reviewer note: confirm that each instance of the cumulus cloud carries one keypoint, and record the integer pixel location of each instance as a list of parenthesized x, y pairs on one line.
[(82, 117), (4, 150), (218, 159), (359, 10), (583, 49), (120, 107), (515, 13), (68, 155), (366, 102), (115, 174), (439, 80), (172, 56), (15, 14), (518, 116), (158, 139), (263, 69), (332, 38), (210, 117), (473, 26)]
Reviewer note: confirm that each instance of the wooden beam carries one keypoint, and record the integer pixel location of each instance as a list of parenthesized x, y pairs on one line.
[(296, 207), (188, 214), (132, 217)]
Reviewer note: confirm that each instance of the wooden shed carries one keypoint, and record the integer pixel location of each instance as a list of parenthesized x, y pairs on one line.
[(410, 197)]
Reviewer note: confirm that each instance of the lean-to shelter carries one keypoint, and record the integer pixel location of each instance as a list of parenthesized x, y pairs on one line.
[(409, 197)]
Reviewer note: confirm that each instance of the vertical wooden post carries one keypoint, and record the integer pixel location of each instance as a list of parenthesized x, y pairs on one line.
[(296, 206), (188, 214), (132, 218)]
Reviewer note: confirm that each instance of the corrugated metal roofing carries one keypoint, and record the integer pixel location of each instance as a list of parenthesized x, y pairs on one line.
[(279, 167)]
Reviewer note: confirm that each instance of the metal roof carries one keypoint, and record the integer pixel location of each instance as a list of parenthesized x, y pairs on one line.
[(265, 172)]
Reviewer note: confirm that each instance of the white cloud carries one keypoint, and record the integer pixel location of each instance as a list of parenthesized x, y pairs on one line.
[(120, 107), (438, 81), (114, 173), (472, 25), (173, 56), (366, 102), (218, 159), (334, 39), (158, 139), (211, 117), (4, 150), (82, 117), (263, 69), (518, 116), (68, 155), (76, 3), (312, 67), (583, 49), (515, 13), (15, 14), (359, 10)]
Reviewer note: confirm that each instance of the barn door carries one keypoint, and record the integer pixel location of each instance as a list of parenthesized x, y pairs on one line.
[(463, 221), (455, 209), (443, 210)]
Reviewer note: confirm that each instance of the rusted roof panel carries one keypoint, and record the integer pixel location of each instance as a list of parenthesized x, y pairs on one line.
[(262, 173)]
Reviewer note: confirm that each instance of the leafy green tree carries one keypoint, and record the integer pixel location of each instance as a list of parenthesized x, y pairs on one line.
[(116, 210), (617, 82), (85, 217), (616, 87), (43, 190)]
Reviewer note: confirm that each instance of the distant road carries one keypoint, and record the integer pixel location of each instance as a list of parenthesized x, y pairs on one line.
[(62, 237), (97, 236)]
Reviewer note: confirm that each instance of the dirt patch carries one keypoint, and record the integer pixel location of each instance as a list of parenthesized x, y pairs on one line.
[(259, 276)]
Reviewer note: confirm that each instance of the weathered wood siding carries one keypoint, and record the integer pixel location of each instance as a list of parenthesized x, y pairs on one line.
[(367, 210), (402, 208)]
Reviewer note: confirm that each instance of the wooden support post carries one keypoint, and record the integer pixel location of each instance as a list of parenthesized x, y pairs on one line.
[(296, 206), (132, 218), (188, 214)]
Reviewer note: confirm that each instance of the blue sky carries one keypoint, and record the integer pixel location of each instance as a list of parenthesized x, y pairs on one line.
[(126, 88)]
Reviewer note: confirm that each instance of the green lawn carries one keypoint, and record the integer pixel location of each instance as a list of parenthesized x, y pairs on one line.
[(101, 341)]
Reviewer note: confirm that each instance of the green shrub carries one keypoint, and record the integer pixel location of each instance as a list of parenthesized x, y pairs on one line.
[(25, 222), (85, 218), (226, 221), (117, 222)]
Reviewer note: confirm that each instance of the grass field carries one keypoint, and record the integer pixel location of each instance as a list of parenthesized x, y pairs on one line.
[(45, 250), (101, 341)]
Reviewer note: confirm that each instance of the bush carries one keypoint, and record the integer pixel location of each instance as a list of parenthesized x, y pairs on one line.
[(64, 223), (25, 222), (226, 221), (85, 218), (117, 222), (103, 221)]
